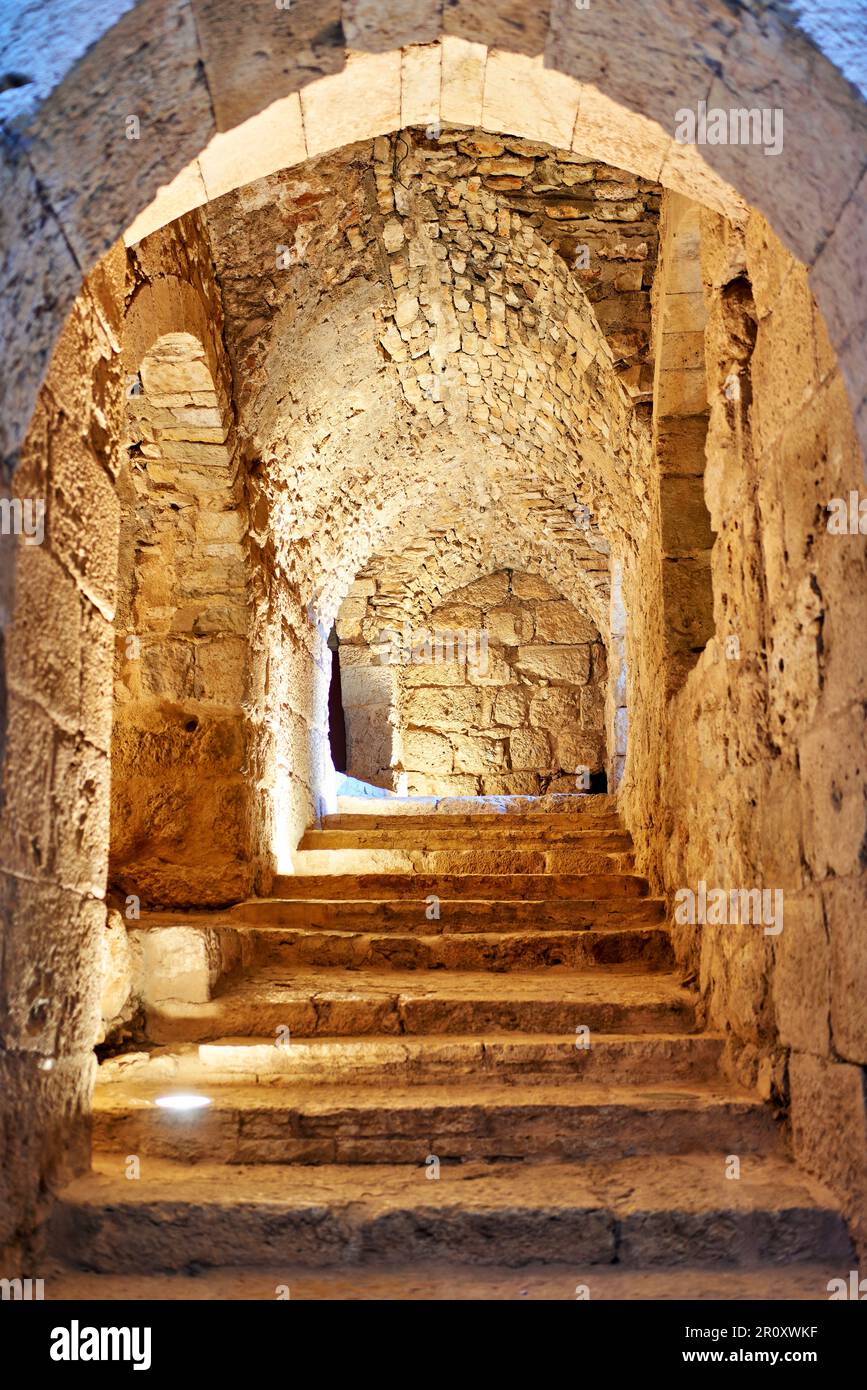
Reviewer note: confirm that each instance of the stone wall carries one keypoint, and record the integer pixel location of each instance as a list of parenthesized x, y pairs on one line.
[(500, 692), (54, 826), (680, 419), (182, 828), (752, 775)]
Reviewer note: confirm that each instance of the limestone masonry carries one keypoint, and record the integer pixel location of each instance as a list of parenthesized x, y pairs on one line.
[(416, 580)]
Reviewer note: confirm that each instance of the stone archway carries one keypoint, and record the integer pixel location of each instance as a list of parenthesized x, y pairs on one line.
[(765, 494), (181, 804), (238, 68)]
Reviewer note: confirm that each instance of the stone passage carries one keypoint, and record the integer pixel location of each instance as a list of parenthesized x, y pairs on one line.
[(450, 1057)]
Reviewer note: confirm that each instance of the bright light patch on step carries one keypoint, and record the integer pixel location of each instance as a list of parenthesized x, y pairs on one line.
[(181, 1100)]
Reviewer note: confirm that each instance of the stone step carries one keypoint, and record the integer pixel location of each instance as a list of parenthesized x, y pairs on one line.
[(566, 805), (645, 1059), (361, 1002), (601, 822), (469, 1121), (433, 1281), (469, 859), (537, 886), (380, 915), (639, 1214), (498, 951), (445, 836)]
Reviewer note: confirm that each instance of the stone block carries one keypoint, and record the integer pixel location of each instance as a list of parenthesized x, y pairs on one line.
[(846, 915), (575, 751), (117, 969), (271, 140), (508, 24), (524, 97), (44, 643), (147, 66), (554, 707), (222, 670), (478, 752), (490, 669), (834, 812), (511, 706), (437, 673), (449, 708), (255, 57), (439, 785), (360, 103), (532, 586), (510, 784), (37, 292), (425, 752), (377, 26), (484, 593), (509, 624), (463, 81), (366, 685), (829, 1130), (564, 665), (80, 794), (420, 83), (685, 519), (801, 976), (561, 623), (25, 826), (529, 751), (688, 603), (49, 994)]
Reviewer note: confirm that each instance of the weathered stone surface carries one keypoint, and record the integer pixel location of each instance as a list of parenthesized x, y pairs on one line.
[(37, 290), (362, 102), (273, 50), (117, 971), (97, 172), (802, 977), (479, 684), (826, 1143), (529, 748), (844, 905), (566, 665)]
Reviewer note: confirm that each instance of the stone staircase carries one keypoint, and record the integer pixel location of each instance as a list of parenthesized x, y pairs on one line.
[(451, 1053)]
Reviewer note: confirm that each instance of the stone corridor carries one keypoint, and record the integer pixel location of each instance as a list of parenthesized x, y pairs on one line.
[(433, 572)]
